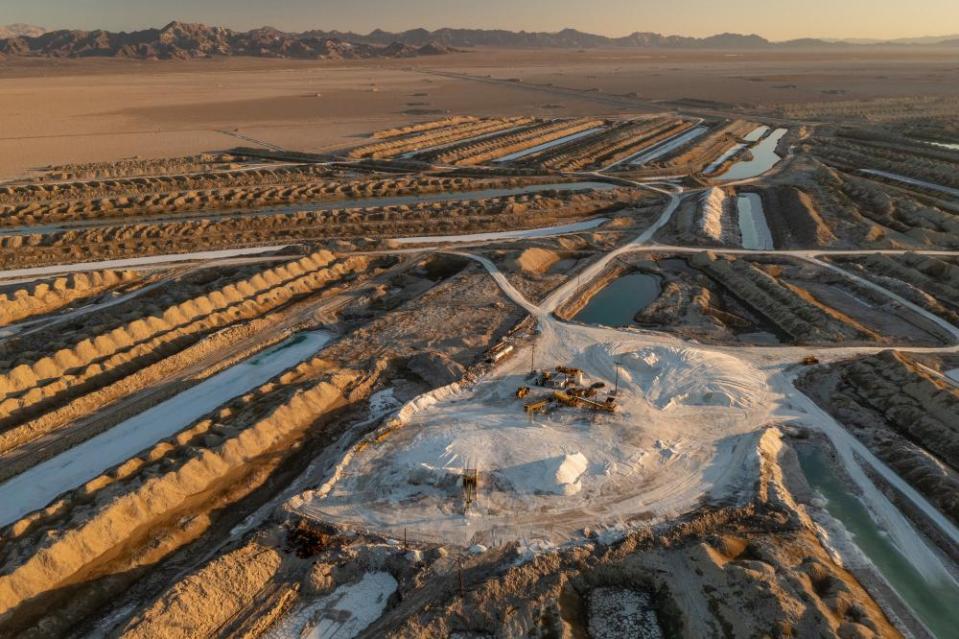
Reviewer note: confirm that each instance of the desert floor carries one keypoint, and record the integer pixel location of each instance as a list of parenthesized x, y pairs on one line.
[(90, 110)]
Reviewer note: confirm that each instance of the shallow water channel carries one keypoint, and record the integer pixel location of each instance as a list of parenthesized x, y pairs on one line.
[(764, 158), (618, 303), (752, 223), (548, 145), (38, 486), (933, 603), (662, 148)]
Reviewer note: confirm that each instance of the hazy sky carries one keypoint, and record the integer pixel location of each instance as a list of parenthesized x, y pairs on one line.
[(774, 19)]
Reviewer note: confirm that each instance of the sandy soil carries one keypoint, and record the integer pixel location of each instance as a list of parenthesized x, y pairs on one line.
[(73, 111)]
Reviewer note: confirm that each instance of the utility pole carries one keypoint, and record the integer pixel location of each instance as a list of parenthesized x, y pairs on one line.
[(532, 359), (616, 387)]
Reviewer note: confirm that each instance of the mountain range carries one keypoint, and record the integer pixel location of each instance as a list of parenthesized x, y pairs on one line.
[(924, 40), (574, 39), (179, 40)]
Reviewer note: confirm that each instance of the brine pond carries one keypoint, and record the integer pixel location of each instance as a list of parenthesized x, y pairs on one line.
[(928, 599), (617, 303), (764, 158)]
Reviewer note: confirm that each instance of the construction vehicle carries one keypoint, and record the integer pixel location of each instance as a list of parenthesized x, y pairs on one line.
[(810, 360), (567, 399), (538, 406), (572, 375)]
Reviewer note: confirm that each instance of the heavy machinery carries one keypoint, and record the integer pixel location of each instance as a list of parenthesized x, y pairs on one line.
[(538, 406)]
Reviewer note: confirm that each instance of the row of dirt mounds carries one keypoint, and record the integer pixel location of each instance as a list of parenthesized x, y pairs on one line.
[(37, 212), (885, 139), (104, 187), (935, 166), (883, 110), (437, 136), (602, 149), (482, 151), (419, 127), (906, 415), (43, 297), (147, 507), (710, 147), (136, 167), (174, 289), (62, 425), (99, 359), (446, 218), (942, 127), (907, 216), (793, 218), (928, 281), (792, 311), (859, 212)]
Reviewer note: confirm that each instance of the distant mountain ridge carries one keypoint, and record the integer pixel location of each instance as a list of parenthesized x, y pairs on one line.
[(923, 40), (574, 39), (567, 39), (180, 40)]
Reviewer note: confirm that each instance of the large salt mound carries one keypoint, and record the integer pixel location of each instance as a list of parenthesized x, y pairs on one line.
[(671, 377), (711, 223), (554, 475)]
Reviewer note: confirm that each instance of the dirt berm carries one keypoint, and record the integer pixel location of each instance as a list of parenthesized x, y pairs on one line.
[(49, 296), (792, 312), (122, 509), (903, 413), (29, 384)]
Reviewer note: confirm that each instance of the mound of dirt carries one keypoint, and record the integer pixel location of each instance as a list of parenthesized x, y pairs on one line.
[(537, 260), (217, 592)]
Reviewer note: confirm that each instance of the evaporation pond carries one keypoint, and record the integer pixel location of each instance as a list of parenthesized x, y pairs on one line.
[(618, 302), (928, 599)]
